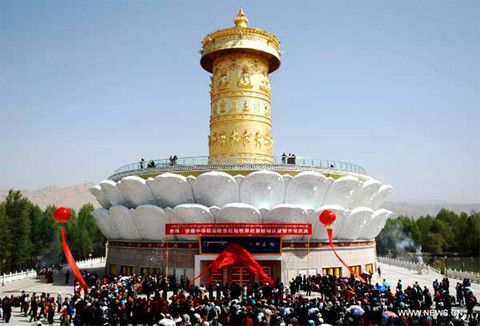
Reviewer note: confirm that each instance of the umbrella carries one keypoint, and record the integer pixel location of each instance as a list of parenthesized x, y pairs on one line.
[(386, 283), (356, 310), (469, 288), (389, 314), (381, 288)]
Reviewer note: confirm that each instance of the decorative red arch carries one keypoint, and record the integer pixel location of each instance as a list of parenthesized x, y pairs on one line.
[(232, 254)]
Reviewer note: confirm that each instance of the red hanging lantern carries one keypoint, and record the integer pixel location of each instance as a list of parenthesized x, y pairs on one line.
[(327, 218), (62, 215)]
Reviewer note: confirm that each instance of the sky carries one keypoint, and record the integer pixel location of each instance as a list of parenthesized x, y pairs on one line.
[(393, 86)]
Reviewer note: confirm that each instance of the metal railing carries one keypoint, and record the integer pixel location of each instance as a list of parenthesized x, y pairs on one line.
[(11, 277), (232, 160), (452, 273)]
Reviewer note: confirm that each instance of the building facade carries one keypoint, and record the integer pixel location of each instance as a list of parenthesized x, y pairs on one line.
[(241, 182)]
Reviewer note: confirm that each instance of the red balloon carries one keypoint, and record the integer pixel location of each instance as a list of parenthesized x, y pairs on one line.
[(62, 215), (327, 217)]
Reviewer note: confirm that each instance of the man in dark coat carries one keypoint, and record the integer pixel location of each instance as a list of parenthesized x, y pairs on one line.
[(7, 310)]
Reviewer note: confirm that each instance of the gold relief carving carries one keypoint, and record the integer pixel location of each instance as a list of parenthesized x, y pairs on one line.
[(223, 107), (223, 82), (243, 126), (246, 106), (245, 81), (246, 137), (211, 85), (267, 140), (233, 66), (234, 137), (222, 139), (255, 66), (258, 140), (241, 93), (213, 140), (265, 83)]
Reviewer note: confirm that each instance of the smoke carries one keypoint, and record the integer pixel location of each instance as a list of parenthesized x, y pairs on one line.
[(394, 241)]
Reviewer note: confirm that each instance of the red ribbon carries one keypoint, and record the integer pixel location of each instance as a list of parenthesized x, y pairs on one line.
[(232, 254), (71, 262), (329, 231)]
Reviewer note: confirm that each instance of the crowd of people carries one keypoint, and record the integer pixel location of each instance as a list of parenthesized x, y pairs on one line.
[(314, 300), (172, 160)]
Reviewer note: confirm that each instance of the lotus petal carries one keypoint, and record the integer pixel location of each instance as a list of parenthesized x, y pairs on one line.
[(263, 211), (100, 196), (239, 178), (342, 191), (379, 197), (215, 189), (287, 213), (307, 189), (150, 221), (168, 211), (238, 213), (262, 189), (123, 219), (106, 224), (170, 190), (191, 180), (111, 191), (357, 221), (191, 213), (135, 191), (286, 179), (376, 225), (214, 210), (319, 231), (366, 193)]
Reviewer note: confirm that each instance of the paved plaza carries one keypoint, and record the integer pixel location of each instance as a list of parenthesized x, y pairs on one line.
[(390, 273)]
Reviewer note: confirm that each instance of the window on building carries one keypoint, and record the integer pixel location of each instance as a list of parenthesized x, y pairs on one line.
[(357, 268), (112, 269), (332, 271), (150, 270), (369, 268), (128, 270)]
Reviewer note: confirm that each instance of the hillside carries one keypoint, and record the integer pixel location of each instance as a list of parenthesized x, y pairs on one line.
[(73, 196)]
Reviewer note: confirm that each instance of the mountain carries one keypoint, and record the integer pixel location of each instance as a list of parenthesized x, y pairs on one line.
[(76, 196), (417, 210), (73, 197)]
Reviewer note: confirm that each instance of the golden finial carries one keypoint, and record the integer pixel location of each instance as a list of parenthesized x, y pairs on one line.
[(241, 20)]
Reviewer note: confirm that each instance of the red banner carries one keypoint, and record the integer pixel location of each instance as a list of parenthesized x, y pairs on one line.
[(329, 232), (238, 229), (71, 262)]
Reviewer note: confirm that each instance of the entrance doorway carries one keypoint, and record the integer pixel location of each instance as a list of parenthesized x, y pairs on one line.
[(238, 274)]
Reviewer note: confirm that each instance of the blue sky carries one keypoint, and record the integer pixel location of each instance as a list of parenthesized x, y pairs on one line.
[(393, 86)]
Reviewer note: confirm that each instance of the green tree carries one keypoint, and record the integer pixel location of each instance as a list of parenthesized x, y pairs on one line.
[(18, 224), (5, 240)]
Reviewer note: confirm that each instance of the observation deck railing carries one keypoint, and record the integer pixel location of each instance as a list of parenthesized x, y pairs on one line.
[(277, 160)]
